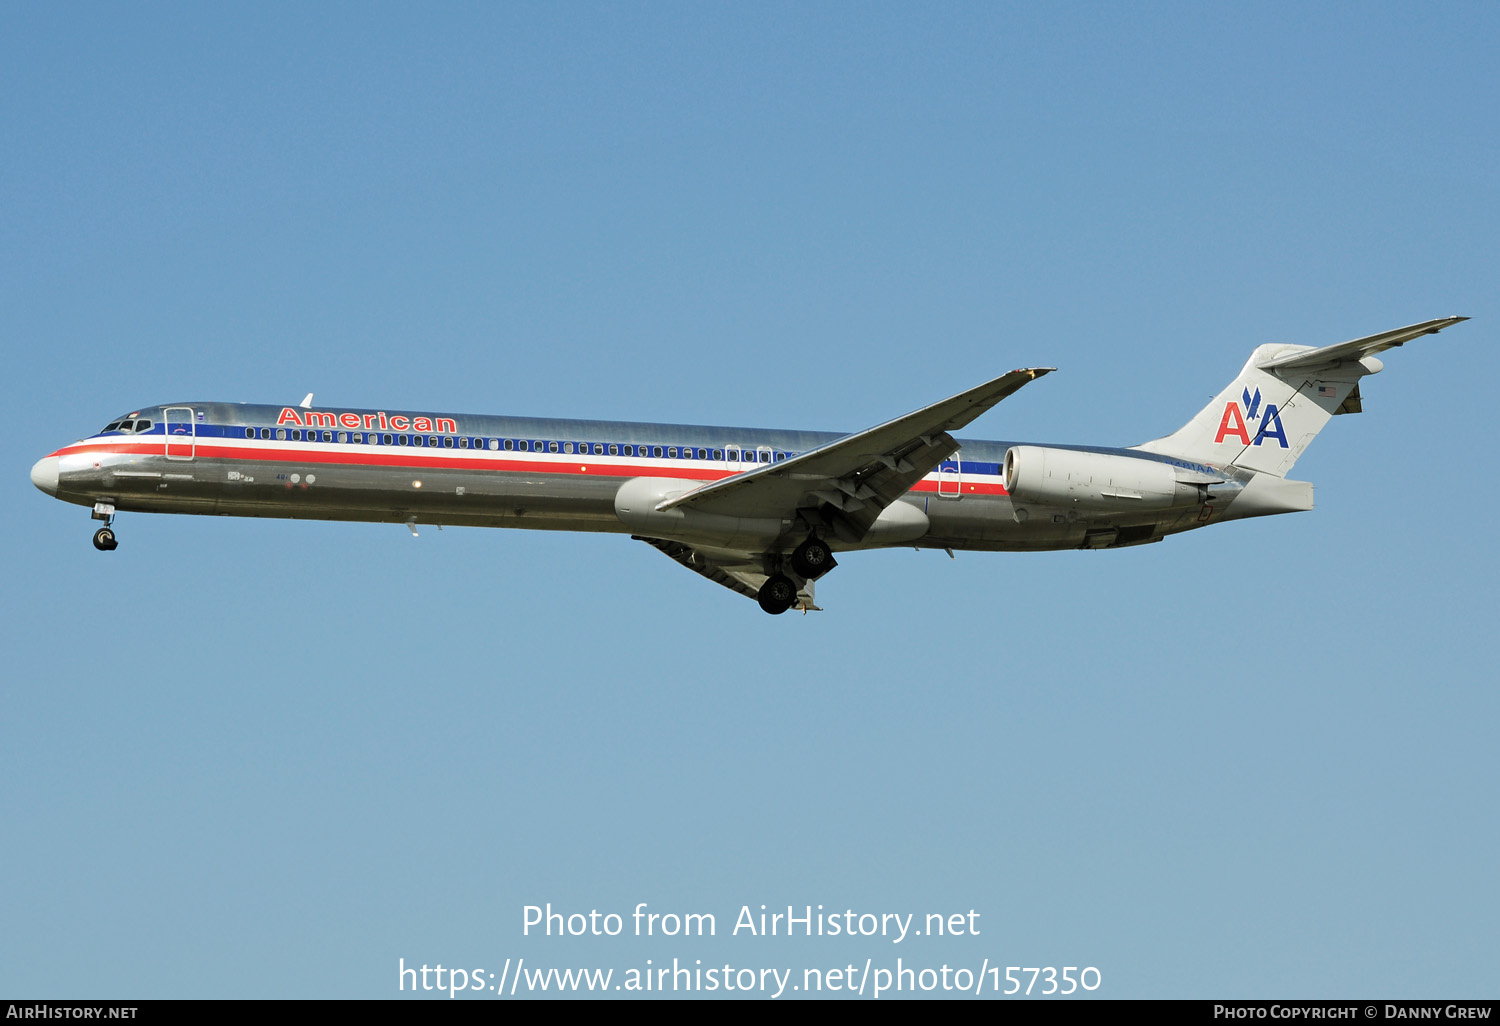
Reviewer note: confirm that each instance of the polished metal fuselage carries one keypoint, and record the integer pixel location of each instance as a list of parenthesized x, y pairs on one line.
[(465, 470)]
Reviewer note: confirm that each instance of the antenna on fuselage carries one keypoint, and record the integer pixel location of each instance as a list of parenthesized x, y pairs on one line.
[(306, 404)]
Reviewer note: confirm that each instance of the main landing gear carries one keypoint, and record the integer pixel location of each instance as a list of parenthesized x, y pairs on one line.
[(812, 559), (777, 594), (809, 561)]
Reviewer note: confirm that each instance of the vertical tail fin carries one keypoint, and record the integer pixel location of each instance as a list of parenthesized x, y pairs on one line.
[(1268, 415)]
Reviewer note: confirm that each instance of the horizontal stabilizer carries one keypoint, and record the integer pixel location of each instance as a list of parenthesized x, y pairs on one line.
[(1358, 349)]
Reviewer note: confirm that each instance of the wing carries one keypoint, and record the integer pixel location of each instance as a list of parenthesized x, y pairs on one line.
[(741, 573), (1360, 347), (857, 475)]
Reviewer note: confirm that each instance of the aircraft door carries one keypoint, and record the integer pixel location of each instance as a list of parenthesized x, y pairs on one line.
[(950, 478), (182, 432)]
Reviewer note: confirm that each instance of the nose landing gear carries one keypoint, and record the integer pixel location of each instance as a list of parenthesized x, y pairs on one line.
[(104, 538)]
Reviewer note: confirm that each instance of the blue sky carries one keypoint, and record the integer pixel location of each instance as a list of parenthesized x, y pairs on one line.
[(249, 758)]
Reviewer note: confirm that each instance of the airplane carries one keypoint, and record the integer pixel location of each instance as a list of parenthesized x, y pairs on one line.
[(761, 512)]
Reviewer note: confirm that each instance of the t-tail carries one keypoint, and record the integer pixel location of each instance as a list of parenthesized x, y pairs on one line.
[(1269, 414)]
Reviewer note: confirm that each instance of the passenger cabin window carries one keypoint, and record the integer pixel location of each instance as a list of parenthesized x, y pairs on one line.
[(249, 432)]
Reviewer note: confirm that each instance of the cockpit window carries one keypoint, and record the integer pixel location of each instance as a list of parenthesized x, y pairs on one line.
[(142, 425), (113, 425)]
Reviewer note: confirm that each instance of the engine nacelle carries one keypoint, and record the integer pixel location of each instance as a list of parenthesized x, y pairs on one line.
[(1095, 480)]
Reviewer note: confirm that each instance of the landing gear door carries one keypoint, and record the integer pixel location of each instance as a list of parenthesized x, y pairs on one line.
[(181, 432), (950, 480)]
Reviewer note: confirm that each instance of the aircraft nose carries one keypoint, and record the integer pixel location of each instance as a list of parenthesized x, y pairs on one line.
[(44, 474)]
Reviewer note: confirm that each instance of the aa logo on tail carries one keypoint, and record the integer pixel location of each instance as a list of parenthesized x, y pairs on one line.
[(1238, 417)]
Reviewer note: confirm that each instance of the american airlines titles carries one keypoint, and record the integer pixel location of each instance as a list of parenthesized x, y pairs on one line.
[(377, 421)]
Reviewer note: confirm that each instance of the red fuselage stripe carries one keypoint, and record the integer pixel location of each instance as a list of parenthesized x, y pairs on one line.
[(499, 462)]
